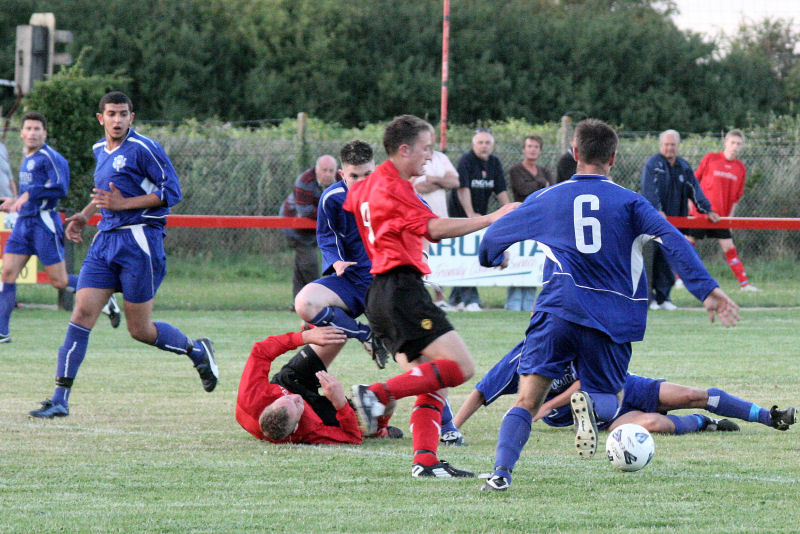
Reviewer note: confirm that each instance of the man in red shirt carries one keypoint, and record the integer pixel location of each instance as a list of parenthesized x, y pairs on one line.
[(393, 223), (289, 408), (721, 176)]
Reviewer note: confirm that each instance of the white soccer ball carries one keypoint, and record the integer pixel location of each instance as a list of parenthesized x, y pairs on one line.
[(630, 447)]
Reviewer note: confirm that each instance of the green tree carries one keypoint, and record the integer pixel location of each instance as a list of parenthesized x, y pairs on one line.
[(69, 102)]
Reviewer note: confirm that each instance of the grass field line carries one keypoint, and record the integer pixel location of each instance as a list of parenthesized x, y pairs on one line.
[(94, 430)]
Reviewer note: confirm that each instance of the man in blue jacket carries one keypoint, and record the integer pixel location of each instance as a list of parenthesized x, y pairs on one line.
[(668, 182)]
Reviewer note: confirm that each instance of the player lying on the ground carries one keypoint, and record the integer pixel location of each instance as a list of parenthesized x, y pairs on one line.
[(338, 297), (645, 402), (289, 408)]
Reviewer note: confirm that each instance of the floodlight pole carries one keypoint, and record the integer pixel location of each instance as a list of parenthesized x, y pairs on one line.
[(445, 74)]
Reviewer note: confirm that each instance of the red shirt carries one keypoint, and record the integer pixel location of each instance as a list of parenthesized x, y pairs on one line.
[(391, 218), (256, 393), (722, 181)]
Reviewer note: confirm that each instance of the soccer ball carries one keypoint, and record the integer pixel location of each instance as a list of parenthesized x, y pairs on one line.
[(630, 447)]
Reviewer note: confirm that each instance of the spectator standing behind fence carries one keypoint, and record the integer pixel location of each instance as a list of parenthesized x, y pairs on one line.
[(566, 166), (668, 182), (8, 188), (721, 176), (303, 202), (440, 176), (524, 178), (480, 174)]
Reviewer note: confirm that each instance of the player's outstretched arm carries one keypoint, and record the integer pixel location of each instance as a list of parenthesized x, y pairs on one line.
[(717, 302), (324, 335), (443, 228)]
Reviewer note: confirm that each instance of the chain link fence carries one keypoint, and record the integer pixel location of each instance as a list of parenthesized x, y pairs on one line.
[(252, 176)]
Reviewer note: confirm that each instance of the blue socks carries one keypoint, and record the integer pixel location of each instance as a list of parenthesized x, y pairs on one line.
[(70, 357), (685, 424), (514, 433), (72, 283), (447, 418), (333, 316), (171, 339), (8, 297), (725, 404)]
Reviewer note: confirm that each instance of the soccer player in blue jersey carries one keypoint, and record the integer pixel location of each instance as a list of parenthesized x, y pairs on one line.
[(337, 298), (134, 187), (43, 181), (645, 401), (594, 299)]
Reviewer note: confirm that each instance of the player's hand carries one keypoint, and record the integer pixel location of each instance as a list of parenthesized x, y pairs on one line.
[(717, 302), (5, 203), (543, 411), (324, 335), (74, 228), (332, 389), (505, 208), (713, 217), (506, 259), (341, 266), (110, 200)]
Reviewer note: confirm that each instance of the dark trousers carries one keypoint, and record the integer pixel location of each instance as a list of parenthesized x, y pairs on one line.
[(306, 266), (467, 295), (663, 279)]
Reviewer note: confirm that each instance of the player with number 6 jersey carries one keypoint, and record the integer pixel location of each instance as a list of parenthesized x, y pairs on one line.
[(594, 298)]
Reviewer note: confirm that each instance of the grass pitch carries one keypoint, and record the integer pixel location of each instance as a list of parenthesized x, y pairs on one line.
[(146, 449)]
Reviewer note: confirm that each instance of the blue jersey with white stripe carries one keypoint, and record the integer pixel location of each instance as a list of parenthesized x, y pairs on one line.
[(337, 232), (44, 175), (139, 166), (592, 231)]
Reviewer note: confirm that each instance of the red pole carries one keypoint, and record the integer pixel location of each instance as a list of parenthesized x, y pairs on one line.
[(445, 73)]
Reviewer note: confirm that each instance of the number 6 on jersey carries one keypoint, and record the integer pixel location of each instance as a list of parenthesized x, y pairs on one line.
[(581, 222)]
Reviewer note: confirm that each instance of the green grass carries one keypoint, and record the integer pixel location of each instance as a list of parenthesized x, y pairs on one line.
[(145, 449)]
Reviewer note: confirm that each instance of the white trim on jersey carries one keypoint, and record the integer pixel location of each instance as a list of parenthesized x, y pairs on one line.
[(637, 259), (55, 167), (339, 189), (597, 288)]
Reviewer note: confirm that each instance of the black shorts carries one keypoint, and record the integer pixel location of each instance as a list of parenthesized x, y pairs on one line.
[(402, 314), (299, 376), (702, 233)]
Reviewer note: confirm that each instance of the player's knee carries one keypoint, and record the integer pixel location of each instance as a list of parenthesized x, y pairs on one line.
[(305, 309), (655, 422), (59, 283), (467, 369), (141, 332)]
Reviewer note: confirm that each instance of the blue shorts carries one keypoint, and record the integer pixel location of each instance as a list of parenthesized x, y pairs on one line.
[(502, 379), (641, 394), (129, 259), (41, 235), (551, 343), (351, 287)]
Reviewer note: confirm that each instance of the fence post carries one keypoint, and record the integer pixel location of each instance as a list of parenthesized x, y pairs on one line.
[(302, 153), (565, 134)]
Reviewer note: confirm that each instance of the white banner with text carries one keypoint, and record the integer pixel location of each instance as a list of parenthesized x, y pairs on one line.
[(454, 262)]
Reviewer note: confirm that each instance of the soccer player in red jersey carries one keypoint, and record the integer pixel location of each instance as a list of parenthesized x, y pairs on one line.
[(393, 223), (721, 176)]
